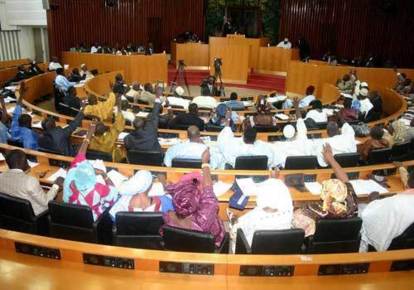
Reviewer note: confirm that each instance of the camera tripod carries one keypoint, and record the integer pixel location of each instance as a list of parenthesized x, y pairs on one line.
[(180, 77)]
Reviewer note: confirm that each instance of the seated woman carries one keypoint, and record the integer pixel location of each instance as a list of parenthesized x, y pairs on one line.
[(81, 184), (347, 113), (196, 206), (396, 133), (375, 141), (339, 200), (316, 113), (264, 116), (134, 196)]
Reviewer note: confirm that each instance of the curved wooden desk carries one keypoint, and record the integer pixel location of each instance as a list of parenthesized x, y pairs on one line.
[(13, 63), (21, 271)]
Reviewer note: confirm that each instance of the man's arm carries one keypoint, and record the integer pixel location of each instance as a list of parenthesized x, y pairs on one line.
[(152, 122), (338, 170), (75, 123), (38, 195), (15, 127)]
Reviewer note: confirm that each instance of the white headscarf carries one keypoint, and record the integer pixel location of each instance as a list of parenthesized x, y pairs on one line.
[(289, 131), (140, 182)]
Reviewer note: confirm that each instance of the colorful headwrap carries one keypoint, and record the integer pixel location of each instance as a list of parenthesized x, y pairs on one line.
[(333, 195), (186, 194), (84, 176)]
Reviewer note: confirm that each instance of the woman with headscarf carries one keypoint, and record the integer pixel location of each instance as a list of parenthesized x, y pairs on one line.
[(339, 200), (264, 116), (82, 186), (396, 133), (196, 206), (134, 196)]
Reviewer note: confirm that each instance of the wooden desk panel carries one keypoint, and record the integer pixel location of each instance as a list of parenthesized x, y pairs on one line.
[(13, 63), (141, 68), (195, 55), (275, 59)]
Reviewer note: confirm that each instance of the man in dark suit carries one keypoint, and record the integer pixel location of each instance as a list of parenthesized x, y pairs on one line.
[(21, 74), (145, 134), (57, 139), (208, 87), (188, 119)]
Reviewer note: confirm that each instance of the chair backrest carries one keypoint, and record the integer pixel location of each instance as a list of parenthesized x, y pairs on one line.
[(348, 159), (186, 163), (72, 222), (176, 239), (138, 223), (404, 241), (278, 241), (266, 128), (181, 126), (213, 128), (16, 143), (251, 162), (93, 155), (399, 150), (301, 162), (152, 158), (336, 236), (16, 214), (379, 156)]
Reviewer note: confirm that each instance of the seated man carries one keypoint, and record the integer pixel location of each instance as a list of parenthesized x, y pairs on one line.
[(193, 148), (147, 96), (16, 182), (341, 141), (102, 110), (84, 72), (188, 119), (375, 141), (272, 212), (144, 137), (82, 187), (134, 93), (105, 138), (134, 196), (309, 97), (54, 64), (346, 84), (21, 127), (4, 131), (316, 113), (62, 82), (365, 104), (196, 207), (21, 74), (234, 104), (208, 87), (70, 99), (75, 76), (285, 43), (56, 138), (34, 69), (385, 219), (232, 147)]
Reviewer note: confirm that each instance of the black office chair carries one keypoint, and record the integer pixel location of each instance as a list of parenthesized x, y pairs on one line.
[(180, 127), (186, 163), (213, 128), (94, 155), (379, 156), (152, 158), (266, 128), (17, 214), (138, 230), (301, 162), (400, 152), (75, 222), (53, 162), (348, 159), (404, 241), (335, 236), (251, 162), (16, 143), (277, 242), (182, 240)]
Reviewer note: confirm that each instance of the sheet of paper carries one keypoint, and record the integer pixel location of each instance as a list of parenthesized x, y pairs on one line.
[(247, 103), (363, 187), (37, 125), (98, 164), (221, 188), (32, 164), (11, 88), (157, 189), (122, 136), (2, 157), (100, 179), (9, 100), (276, 99), (247, 185), (282, 116), (59, 173), (314, 187), (116, 177), (142, 114)]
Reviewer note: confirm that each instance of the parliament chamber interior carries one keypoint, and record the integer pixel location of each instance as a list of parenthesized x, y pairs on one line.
[(176, 144)]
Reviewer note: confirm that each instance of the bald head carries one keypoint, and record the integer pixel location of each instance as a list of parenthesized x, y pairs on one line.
[(332, 129), (193, 133)]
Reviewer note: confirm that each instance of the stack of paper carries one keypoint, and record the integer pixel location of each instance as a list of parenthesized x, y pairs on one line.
[(282, 116), (59, 173), (32, 164), (157, 189), (221, 188), (364, 187), (142, 114), (116, 177), (247, 103), (314, 187), (98, 164)]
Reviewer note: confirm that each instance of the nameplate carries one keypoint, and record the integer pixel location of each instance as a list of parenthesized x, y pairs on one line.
[(404, 265), (108, 261), (343, 269), (267, 270), (38, 251), (186, 268)]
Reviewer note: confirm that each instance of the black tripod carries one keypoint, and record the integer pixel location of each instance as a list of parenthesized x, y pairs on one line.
[(180, 77)]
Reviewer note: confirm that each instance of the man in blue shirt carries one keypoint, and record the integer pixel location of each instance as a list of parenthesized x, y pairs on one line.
[(21, 127), (62, 82), (4, 134), (234, 104)]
